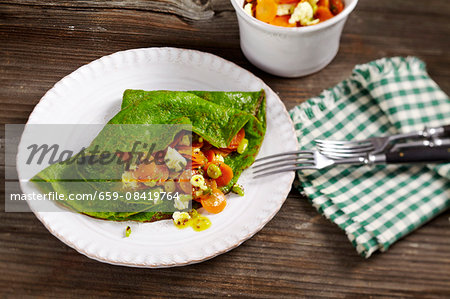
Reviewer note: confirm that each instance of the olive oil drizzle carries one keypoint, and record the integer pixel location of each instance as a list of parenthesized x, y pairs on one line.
[(197, 222)]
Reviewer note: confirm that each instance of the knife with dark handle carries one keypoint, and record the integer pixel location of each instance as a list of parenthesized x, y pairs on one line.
[(422, 143), (443, 131), (420, 154)]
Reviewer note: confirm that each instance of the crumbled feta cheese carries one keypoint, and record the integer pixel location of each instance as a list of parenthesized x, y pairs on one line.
[(180, 217), (304, 14), (284, 9), (219, 158), (180, 204), (197, 180), (174, 160), (128, 180), (248, 8)]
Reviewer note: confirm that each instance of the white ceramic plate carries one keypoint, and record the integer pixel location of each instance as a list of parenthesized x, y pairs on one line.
[(92, 94)]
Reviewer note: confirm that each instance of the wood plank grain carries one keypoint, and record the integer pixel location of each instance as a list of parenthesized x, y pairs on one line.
[(191, 9), (298, 253)]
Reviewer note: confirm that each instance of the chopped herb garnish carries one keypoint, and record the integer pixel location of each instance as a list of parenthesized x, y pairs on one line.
[(207, 191), (242, 146), (238, 189), (214, 171), (127, 231)]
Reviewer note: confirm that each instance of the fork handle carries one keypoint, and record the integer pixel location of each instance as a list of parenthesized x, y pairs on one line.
[(420, 154)]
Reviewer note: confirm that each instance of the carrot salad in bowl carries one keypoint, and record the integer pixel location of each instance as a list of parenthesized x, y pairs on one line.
[(293, 13)]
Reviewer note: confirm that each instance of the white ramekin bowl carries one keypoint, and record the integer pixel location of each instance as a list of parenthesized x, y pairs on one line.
[(290, 52)]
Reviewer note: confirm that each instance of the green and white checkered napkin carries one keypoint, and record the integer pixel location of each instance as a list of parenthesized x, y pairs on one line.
[(376, 205)]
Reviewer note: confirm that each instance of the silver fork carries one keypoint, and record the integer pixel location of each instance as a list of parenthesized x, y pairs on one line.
[(313, 159), (298, 160), (374, 145)]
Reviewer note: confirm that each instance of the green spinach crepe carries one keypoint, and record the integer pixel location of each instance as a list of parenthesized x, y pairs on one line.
[(214, 116)]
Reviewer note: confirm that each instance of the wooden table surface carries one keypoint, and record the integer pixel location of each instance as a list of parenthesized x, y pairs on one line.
[(298, 253)]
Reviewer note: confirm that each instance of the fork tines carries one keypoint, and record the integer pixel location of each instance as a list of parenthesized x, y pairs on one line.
[(344, 149), (283, 162)]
